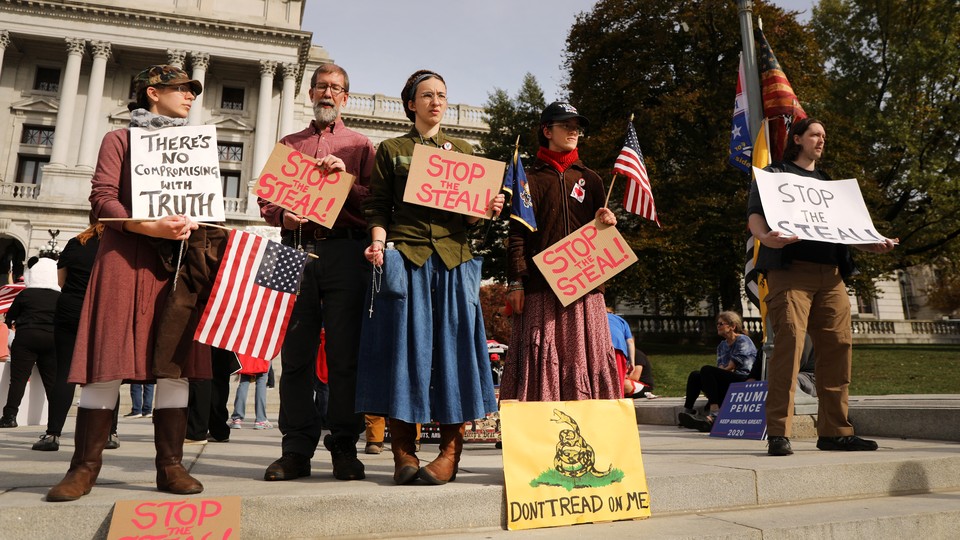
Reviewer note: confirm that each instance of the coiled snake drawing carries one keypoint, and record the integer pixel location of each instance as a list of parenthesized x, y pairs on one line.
[(574, 457)]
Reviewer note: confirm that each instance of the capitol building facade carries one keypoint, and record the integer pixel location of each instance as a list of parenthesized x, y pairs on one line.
[(66, 72)]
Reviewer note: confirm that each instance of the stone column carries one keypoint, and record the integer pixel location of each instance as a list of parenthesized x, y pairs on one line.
[(90, 133), (68, 100), (4, 43), (200, 61), (288, 98), (176, 58), (263, 139)]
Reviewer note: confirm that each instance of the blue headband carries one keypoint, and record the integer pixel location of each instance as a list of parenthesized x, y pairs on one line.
[(418, 80)]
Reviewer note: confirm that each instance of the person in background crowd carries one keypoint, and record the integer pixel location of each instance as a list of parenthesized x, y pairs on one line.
[(557, 353), (331, 294), (32, 315), (424, 349), (807, 295), (73, 273), (735, 357), (141, 397), (254, 370), (128, 285)]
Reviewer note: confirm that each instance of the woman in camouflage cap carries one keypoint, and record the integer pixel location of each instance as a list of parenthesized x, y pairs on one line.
[(128, 287)]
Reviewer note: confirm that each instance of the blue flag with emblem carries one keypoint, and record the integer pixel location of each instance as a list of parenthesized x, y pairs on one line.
[(521, 203)]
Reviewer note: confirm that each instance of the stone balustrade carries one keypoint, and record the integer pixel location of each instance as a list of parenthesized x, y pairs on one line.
[(13, 190), (864, 330), (381, 106)]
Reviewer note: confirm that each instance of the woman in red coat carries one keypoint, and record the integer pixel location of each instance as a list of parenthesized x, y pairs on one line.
[(128, 287)]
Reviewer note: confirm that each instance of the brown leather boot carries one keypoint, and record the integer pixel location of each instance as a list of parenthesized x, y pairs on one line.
[(444, 468), (169, 430), (402, 441), (93, 430)]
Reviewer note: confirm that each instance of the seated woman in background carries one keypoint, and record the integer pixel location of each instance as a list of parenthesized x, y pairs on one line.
[(735, 357)]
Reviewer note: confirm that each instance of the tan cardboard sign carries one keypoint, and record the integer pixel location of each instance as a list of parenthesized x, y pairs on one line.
[(184, 518), (583, 260), (453, 181), (295, 182)]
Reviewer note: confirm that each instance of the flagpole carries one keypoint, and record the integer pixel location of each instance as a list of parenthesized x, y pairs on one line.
[(205, 224), (751, 73), (606, 203), (516, 152)]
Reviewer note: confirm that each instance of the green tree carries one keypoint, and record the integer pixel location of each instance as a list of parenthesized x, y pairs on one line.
[(673, 64), (508, 118), (892, 112)]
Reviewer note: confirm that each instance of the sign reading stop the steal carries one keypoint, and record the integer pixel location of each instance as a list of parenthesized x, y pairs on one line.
[(295, 182), (583, 260), (452, 181), (201, 517)]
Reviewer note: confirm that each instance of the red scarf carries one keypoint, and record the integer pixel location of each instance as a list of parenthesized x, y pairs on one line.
[(561, 161)]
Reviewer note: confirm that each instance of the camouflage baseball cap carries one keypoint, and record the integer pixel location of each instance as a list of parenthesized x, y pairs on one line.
[(165, 75)]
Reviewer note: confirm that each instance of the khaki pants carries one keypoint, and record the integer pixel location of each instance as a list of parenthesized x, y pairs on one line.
[(376, 426), (809, 298)]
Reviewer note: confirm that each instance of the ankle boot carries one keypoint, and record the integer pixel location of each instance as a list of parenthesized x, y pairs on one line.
[(444, 468), (93, 429), (402, 442), (169, 430)]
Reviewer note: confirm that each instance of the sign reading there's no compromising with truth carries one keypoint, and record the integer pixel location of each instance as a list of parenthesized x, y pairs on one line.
[(176, 171)]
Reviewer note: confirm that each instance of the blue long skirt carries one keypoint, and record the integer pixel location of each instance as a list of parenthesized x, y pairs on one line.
[(423, 352)]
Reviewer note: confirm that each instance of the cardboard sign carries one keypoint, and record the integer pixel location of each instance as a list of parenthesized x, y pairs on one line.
[(583, 260), (743, 414), (452, 181), (826, 211), (176, 171), (568, 462), (295, 182), (185, 518)]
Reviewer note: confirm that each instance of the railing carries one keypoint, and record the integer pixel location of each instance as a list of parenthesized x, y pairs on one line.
[(864, 330), (935, 327), (380, 106), (235, 206), (13, 190)]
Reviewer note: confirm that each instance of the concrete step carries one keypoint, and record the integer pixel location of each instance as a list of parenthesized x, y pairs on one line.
[(696, 479), (927, 416), (931, 516)]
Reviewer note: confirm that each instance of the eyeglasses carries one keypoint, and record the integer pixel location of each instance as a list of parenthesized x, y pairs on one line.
[(430, 96), (335, 89), (721, 323), (182, 88), (568, 127)]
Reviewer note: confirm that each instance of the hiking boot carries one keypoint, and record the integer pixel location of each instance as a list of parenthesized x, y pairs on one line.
[(695, 421), (850, 443), (113, 442), (343, 452), (778, 446), (289, 467), (373, 448), (47, 443), (8, 421)]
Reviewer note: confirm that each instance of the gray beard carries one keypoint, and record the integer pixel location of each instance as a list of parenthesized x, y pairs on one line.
[(325, 116)]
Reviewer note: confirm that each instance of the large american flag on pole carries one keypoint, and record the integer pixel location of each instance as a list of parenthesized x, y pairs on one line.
[(638, 197), (8, 293), (252, 296)]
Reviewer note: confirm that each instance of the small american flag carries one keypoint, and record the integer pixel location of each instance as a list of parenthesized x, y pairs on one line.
[(638, 197), (252, 297), (8, 293)]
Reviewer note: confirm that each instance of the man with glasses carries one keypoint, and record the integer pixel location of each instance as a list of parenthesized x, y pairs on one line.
[(331, 294)]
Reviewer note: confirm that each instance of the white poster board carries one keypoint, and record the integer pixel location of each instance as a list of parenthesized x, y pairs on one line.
[(826, 211), (176, 171)]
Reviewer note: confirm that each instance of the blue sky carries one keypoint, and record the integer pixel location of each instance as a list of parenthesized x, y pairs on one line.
[(476, 46)]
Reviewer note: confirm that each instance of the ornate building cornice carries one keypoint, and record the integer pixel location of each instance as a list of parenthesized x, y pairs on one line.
[(72, 12)]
